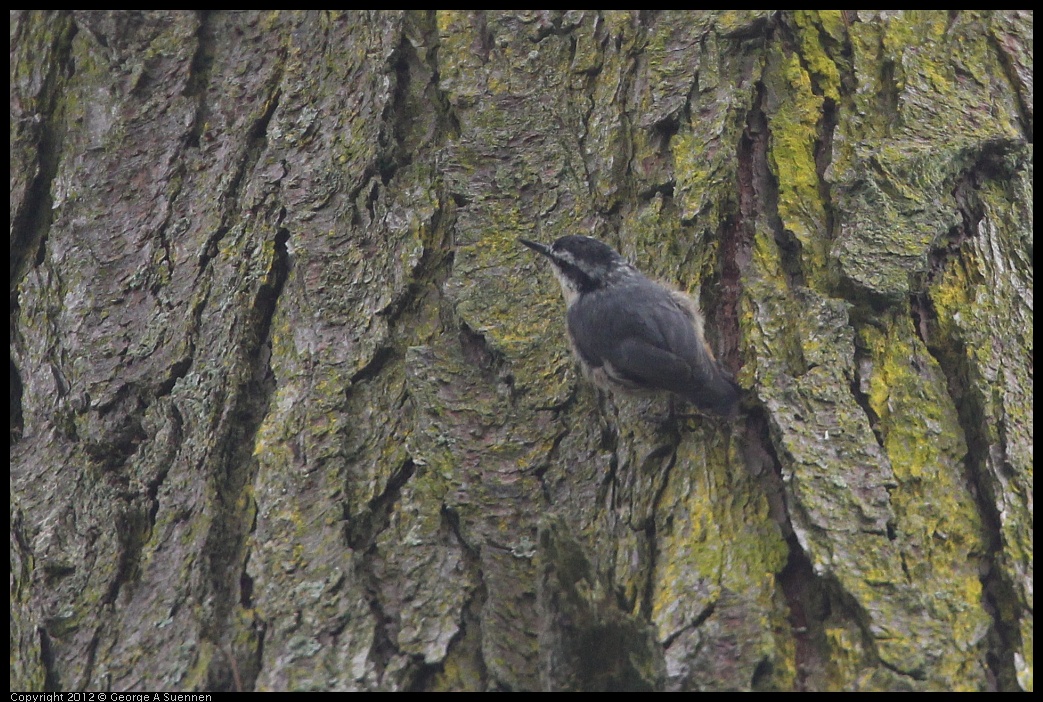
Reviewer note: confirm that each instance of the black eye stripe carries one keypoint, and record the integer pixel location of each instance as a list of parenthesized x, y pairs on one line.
[(583, 281)]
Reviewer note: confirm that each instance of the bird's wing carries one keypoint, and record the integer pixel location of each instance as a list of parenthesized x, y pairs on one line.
[(637, 362), (651, 341), (631, 326)]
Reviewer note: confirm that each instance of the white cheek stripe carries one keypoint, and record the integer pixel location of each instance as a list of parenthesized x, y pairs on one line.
[(568, 289)]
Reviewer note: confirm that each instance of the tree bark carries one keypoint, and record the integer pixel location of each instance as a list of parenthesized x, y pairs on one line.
[(292, 409)]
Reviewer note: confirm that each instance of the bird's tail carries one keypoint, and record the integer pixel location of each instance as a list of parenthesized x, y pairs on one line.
[(717, 393)]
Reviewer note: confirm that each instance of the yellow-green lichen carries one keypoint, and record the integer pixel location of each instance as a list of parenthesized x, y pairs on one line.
[(811, 23), (794, 133), (712, 543), (936, 518)]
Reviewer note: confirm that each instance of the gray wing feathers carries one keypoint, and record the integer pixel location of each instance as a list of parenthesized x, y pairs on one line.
[(648, 336)]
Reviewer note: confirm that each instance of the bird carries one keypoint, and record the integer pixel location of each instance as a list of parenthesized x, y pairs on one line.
[(632, 334)]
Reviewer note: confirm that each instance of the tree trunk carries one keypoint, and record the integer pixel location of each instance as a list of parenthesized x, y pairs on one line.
[(292, 408)]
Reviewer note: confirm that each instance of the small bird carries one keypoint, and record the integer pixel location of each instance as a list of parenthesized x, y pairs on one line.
[(631, 333)]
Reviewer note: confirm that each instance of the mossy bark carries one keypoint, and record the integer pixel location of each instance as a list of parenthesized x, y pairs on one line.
[(292, 409)]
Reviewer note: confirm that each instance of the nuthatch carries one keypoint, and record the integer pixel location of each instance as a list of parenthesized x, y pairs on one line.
[(631, 333)]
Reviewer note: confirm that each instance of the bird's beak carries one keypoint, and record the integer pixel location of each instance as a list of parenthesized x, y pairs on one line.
[(538, 247)]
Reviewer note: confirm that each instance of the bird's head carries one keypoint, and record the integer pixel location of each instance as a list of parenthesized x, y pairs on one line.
[(581, 264)]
